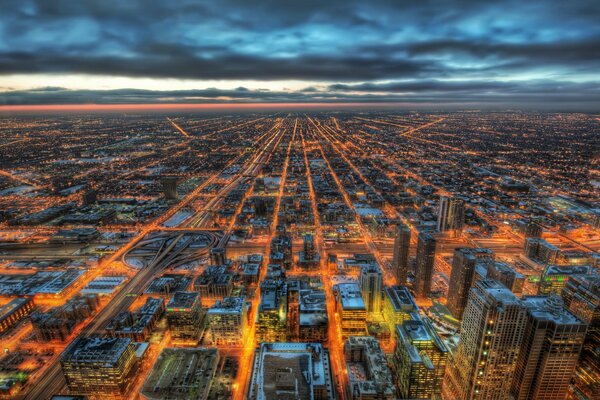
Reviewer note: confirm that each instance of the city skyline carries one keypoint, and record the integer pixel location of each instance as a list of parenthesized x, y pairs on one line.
[(276, 200)]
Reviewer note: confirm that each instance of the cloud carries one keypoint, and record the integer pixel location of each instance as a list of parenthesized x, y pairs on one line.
[(560, 96), (436, 46)]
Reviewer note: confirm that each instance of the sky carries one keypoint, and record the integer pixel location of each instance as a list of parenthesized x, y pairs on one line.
[(474, 53)]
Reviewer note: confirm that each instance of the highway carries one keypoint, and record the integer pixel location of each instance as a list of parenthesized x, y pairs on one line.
[(53, 380)]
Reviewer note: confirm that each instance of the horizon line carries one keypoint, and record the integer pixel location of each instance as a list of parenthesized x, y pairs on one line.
[(208, 106)]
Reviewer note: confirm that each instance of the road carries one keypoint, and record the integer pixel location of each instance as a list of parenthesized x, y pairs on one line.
[(53, 380)]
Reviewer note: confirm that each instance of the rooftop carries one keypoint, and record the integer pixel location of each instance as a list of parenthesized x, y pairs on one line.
[(184, 300), (181, 374)]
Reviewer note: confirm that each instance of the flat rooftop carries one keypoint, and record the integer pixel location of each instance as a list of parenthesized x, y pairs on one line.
[(95, 350), (350, 296), (401, 298), (181, 374), (183, 300), (229, 305)]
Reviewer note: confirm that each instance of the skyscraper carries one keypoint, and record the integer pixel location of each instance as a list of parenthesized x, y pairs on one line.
[(99, 366), (419, 359), (368, 373), (169, 184), (424, 265), (463, 266), (451, 214), (401, 249), (185, 317), (582, 297), (490, 339), (371, 284), (551, 345), (308, 257)]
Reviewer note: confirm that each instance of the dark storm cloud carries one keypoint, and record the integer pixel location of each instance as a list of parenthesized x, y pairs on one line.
[(432, 44)]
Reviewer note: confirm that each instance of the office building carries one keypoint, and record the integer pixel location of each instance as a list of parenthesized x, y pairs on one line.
[(227, 320), (581, 296), (506, 275), (308, 257), (58, 323), (351, 308), (371, 284), (137, 325), (490, 340), (551, 345), (540, 250), (401, 250), (313, 322), (462, 277), (555, 277), (218, 256), (368, 373), (271, 323), (398, 306), (14, 311), (214, 283), (424, 264), (420, 358), (99, 366), (185, 317), (169, 185), (185, 374), (291, 371), (451, 214)]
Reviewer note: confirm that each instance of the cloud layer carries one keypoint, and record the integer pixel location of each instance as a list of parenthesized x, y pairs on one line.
[(426, 51)]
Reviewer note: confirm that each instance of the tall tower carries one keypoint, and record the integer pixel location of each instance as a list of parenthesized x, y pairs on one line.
[(490, 339), (420, 360), (169, 184), (582, 297), (371, 284), (551, 345), (309, 247), (424, 265), (401, 248), (451, 214), (463, 267)]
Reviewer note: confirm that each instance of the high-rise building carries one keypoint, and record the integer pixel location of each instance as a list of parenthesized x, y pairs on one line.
[(214, 283), (401, 249), (420, 358), (582, 297), (169, 184), (308, 257), (540, 250), (218, 256), (351, 307), (99, 366), (291, 371), (424, 264), (506, 275), (371, 284), (490, 340), (271, 323), (368, 373), (185, 317), (227, 320), (398, 306), (555, 277), (14, 311), (461, 279), (451, 214), (90, 197), (551, 346)]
